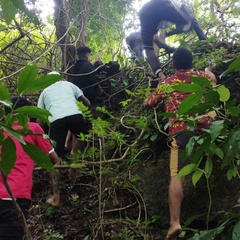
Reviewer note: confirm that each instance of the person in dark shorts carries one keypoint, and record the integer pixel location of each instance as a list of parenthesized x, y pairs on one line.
[(60, 100), (161, 14), (20, 178), (179, 132)]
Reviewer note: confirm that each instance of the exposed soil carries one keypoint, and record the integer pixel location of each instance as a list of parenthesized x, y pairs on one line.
[(124, 212)]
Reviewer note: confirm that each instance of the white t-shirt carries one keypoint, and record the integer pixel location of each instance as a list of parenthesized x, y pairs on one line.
[(60, 100)]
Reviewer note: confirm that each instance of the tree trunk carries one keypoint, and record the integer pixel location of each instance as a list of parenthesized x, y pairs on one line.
[(62, 32)]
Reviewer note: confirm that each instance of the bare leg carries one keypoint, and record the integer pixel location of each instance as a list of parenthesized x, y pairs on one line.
[(175, 197), (55, 199), (69, 134), (76, 145)]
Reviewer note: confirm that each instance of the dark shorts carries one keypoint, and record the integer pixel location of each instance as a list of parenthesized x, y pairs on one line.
[(178, 144), (10, 225), (59, 128)]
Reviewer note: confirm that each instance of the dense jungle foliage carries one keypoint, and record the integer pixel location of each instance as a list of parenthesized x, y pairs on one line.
[(120, 191)]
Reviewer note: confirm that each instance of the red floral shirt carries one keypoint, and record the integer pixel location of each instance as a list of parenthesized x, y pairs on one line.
[(172, 99)]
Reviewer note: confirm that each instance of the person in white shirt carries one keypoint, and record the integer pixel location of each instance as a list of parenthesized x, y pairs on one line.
[(60, 100)]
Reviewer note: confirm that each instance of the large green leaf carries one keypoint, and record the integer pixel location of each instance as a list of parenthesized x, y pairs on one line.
[(236, 231), (200, 108), (234, 110), (201, 80), (196, 176), (234, 66), (38, 155), (208, 167), (212, 97), (189, 102), (19, 4), (187, 170), (224, 93), (216, 128), (231, 147), (27, 77), (186, 87), (8, 11), (28, 81), (13, 133), (42, 82), (34, 112), (8, 155), (4, 93)]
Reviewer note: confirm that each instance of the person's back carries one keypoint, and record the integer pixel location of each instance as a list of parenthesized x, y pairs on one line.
[(179, 132), (86, 81), (20, 177), (173, 99), (60, 99)]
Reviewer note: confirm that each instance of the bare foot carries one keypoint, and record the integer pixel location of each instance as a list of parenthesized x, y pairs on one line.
[(173, 232), (53, 200)]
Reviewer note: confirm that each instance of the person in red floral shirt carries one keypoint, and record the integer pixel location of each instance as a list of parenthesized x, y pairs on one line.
[(179, 132)]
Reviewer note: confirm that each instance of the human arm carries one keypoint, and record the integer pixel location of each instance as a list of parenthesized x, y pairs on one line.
[(154, 62), (84, 100), (154, 98), (211, 75), (54, 157)]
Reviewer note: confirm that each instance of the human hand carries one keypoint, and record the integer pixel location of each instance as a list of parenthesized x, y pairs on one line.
[(145, 103), (161, 77), (211, 75)]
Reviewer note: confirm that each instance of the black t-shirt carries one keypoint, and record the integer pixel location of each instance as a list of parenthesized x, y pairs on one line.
[(87, 83)]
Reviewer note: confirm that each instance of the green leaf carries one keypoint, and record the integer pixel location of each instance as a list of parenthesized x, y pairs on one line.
[(26, 77), (189, 148), (201, 81), (200, 108), (219, 152), (234, 110), (208, 167), (189, 102), (196, 176), (4, 93), (234, 66), (38, 156), (224, 93), (8, 11), (187, 170), (13, 133), (212, 97), (34, 112), (153, 137), (231, 148), (186, 87), (28, 82), (19, 4), (236, 231), (8, 155), (216, 128), (77, 165)]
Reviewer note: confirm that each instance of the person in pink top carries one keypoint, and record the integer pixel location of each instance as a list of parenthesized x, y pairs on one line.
[(20, 178)]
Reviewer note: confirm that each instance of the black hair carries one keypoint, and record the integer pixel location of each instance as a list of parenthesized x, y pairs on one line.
[(82, 51), (17, 102), (182, 58)]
